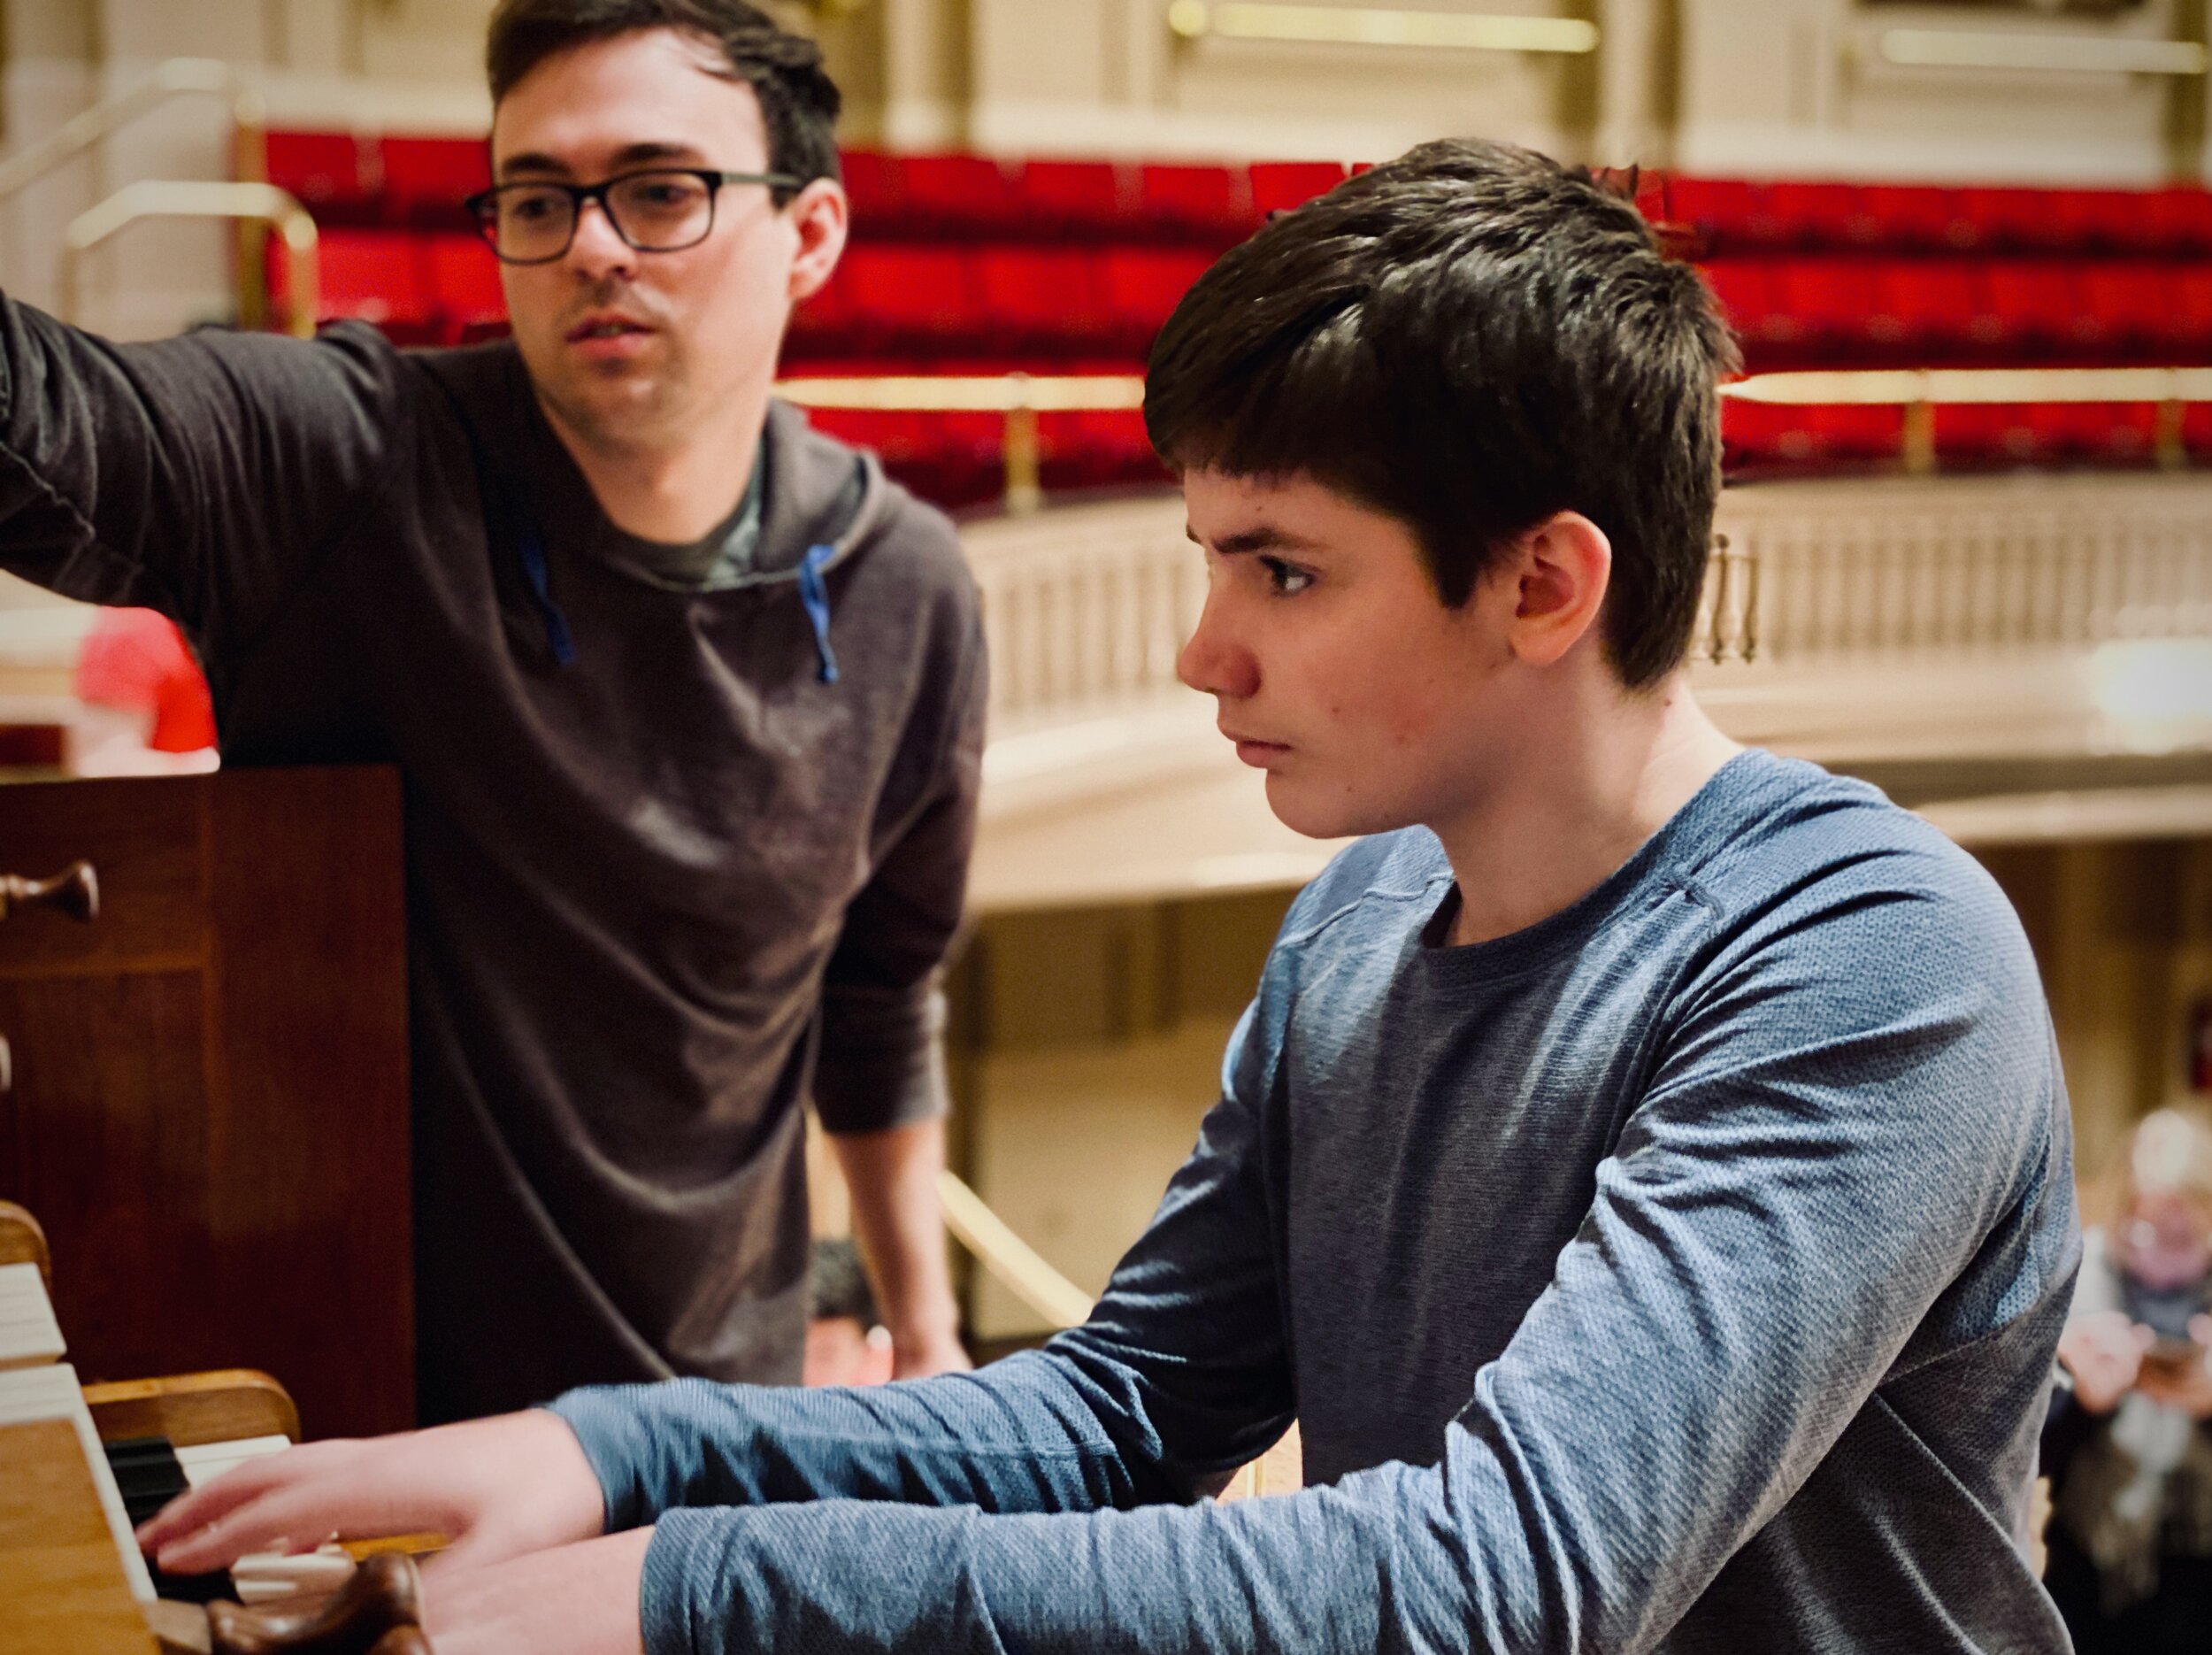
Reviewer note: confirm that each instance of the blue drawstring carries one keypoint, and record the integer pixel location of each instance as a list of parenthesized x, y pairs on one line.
[(815, 596), (556, 638)]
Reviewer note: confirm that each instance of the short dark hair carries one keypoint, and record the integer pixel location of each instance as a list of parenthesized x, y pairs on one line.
[(1470, 338), (798, 100)]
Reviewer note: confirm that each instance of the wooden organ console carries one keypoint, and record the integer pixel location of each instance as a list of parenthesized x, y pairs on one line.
[(204, 1075), (81, 1465)]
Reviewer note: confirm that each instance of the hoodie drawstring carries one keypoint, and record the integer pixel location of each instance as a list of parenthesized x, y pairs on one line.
[(815, 595), (556, 635)]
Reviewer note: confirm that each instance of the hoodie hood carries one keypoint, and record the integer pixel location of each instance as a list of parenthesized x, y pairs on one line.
[(821, 502)]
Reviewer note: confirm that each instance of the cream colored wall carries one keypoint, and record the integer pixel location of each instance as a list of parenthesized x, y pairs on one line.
[(1797, 87)]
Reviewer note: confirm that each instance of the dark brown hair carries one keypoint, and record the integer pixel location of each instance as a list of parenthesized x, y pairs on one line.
[(1470, 338), (798, 100)]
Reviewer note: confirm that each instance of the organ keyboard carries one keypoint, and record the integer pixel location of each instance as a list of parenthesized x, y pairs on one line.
[(72, 1579)]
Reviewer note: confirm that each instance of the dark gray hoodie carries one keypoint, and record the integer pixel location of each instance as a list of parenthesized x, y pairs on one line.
[(675, 860)]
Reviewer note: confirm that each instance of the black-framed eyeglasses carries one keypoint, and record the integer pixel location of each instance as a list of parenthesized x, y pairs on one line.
[(657, 210)]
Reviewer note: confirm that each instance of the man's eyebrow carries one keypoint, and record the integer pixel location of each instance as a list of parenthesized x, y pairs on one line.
[(628, 157), (1264, 537)]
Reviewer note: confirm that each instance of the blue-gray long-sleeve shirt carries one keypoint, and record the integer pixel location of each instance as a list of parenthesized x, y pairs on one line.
[(1681, 1272)]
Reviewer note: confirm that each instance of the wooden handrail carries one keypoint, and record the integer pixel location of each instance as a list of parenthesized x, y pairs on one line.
[(1009, 1258)]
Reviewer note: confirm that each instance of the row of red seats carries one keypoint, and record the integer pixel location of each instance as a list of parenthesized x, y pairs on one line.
[(1048, 302), (957, 459), (1859, 312), (1990, 434), (349, 178), (1055, 301), (1738, 217), (921, 302)]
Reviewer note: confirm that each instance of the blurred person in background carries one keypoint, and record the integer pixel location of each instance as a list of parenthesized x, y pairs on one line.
[(2128, 1448)]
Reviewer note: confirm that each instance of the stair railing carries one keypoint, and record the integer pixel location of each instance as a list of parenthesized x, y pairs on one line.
[(247, 203), (180, 77)]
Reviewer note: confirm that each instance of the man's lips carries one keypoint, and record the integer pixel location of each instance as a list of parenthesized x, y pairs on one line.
[(606, 325)]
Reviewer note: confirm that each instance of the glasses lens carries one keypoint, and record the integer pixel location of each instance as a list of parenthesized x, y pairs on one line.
[(661, 211), (526, 221)]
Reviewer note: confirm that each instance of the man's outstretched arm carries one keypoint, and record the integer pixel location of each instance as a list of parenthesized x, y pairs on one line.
[(196, 475)]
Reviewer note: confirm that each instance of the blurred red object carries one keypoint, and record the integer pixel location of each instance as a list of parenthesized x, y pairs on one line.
[(137, 660)]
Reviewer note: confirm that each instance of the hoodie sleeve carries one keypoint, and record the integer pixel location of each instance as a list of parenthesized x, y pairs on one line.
[(883, 1013), (195, 476)]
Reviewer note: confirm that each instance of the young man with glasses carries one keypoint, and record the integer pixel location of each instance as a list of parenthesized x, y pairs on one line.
[(687, 701), (1643, 1172)]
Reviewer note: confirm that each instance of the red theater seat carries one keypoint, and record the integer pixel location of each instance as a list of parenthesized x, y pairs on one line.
[(1728, 215), (426, 179), (1763, 434), (1206, 204), (1936, 305), (2180, 221), (1142, 286), (1823, 215), (2106, 432), (337, 176), (1279, 185), (1043, 298), (1914, 217), (2101, 220), (2132, 307), (379, 276), (1745, 288), (2007, 221), (2189, 293), (1080, 198), (1984, 433), (950, 194), (465, 289), (2036, 306), (1832, 302), (918, 298)]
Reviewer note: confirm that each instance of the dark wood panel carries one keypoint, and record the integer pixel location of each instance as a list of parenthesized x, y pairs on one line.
[(143, 838), (309, 1144), (107, 1144)]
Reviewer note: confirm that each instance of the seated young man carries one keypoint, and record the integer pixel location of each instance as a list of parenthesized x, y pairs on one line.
[(1644, 1172)]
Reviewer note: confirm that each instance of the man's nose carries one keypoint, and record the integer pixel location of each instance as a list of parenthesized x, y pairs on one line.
[(1215, 661), (597, 249)]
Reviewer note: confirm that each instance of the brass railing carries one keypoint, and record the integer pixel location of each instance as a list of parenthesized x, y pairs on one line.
[(1021, 398), (245, 203)]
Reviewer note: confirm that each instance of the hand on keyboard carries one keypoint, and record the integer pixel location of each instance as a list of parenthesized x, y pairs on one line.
[(498, 1488)]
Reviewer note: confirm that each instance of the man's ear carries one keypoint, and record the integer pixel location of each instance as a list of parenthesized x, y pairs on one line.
[(1562, 568), (821, 215)]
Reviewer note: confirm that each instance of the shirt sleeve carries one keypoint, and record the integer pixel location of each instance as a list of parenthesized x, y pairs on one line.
[(1180, 1376), (881, 1061), (197, 475), (1839, 1121)]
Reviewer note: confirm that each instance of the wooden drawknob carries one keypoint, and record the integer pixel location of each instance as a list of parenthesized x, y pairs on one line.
[(377, 1612), (75, 890)]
